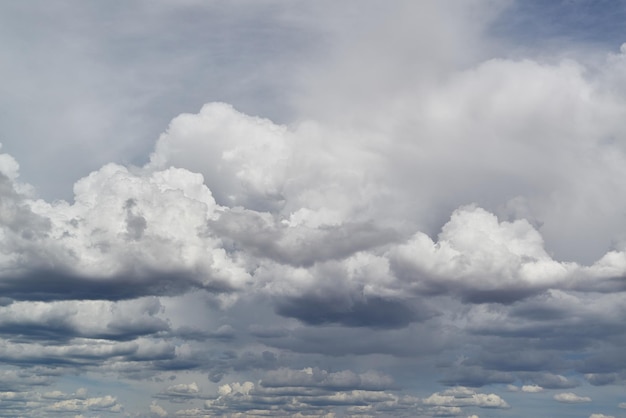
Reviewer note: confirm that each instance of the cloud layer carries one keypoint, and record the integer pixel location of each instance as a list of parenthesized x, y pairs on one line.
[(436, 234)]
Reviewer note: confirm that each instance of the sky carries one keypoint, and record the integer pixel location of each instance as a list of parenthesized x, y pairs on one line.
[(364, 208)]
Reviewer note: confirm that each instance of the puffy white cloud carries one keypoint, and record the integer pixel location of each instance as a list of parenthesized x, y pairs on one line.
[(309, 174), (600, 416), (532, 388), (157, 410), (569, 397), (8, 166), (243, 159), (150, 228), (152, 220), (478, 253)]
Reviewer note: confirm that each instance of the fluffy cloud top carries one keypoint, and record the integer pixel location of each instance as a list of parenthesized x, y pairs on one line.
[(532, 388)]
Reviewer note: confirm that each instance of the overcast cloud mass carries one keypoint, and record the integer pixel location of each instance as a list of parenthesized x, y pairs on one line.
[(313, 209)]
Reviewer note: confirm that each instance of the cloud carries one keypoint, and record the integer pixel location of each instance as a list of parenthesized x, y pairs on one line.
[(341, 273), (483, 259), (437, 200), (298, 245), (314, 377), (372, 311), (21, 380), (475, 376), (31, 403), (445, 411), (258, 399), (107, 403), (116, 231), (64, 320), (157, 410), (461, 397), (181, 392), (477, 257), (569, 397), (242, 159), (600, 379), (127, 88), (310, 391)]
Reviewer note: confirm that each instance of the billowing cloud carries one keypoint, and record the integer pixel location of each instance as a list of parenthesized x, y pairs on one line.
[(116, 242), (243, 159), (497, 261)]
